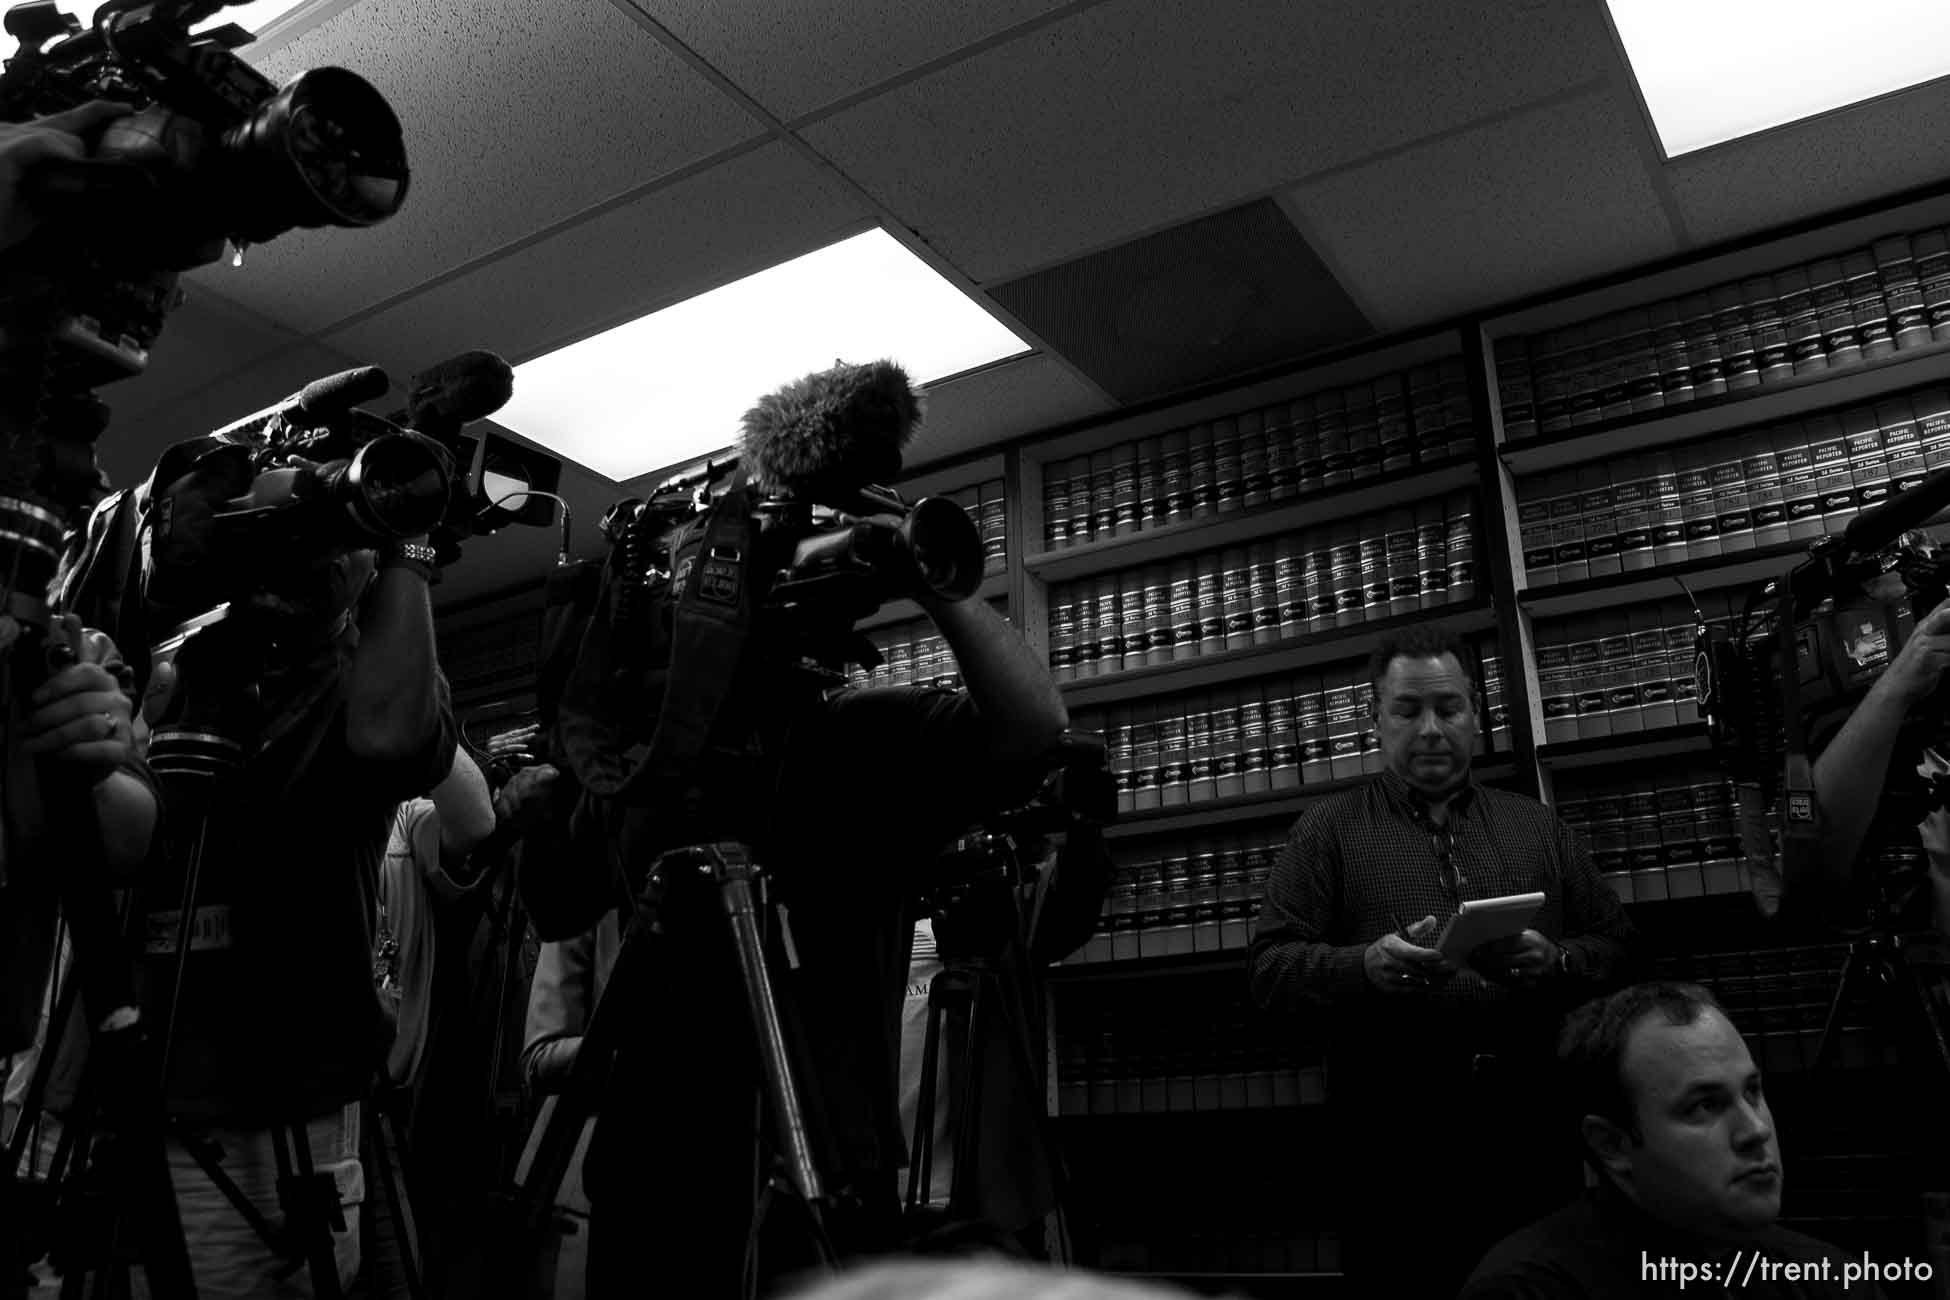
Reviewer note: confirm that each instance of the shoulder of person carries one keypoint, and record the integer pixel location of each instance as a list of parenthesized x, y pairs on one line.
[(1533, 1263)]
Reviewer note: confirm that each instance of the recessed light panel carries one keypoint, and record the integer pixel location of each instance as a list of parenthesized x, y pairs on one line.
[(253, 17), (1716, 70), (670, 387)]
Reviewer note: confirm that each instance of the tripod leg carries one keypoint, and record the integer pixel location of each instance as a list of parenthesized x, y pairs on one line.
[(308, 1215), (405, 1231), (920, 1163), (1830, 1042)]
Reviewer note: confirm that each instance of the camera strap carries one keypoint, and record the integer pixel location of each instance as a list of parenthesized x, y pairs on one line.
[(1800, 815)]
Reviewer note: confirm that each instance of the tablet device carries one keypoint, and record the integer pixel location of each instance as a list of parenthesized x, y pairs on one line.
[(1480, 920)]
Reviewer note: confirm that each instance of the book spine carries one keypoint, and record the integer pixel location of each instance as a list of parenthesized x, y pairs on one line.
[(1330, 421), (1228, 485), (1458, 416), (1103, 495), (1343, 726), (1534, 531), (1902, 292), (1734, 333), (1344, 559), (1160, 620), (1668, 509), (1289, 590), (1555, 686), (1282, 469), (1806, 350), (1203, 468), (1460, 518), (1254, 478), (1621, 680), (1150, 486), (1185, 618), (1235, 579), (1766, 504), (1567, 530), (1551, 383), (1310, 723), (1148, 760), (1080, 495), (1732, 501), (1704, 363), (1901, 443), (1374, 568), (1210, 746), (1062, 636), (1432, 552), (1261, 585), (1134, 609), (1516, 400), (1870, 307), (1643, 388), (1932, 407), (1680, 651), (1670, 353), (1391, 416), (1868, 464), (1255, 758), (1363, 434), (1610, 345), (1425, 415), (1056, 505), (1282, 736), (1317, 573), (1832, 477), (1110, 626), (1834, 314), (1211, 603), (1770, 329), (1174, 741), (1588, 678), (1632, 508), (1696, 498), (1932, 252), (1597, 508), (995, 523), (1800, 487), (1309, 457), (1404, 564), (1176, 476), (1650, 668)]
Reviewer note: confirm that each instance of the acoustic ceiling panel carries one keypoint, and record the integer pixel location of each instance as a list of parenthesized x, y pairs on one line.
[(754, 211), (517, 115), (795, 58), (998, 403), (1214, 297), (1486, 216), (1853, 156), (1129, 117)]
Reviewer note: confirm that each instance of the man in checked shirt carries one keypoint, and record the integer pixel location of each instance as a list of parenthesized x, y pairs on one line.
[(1438, 1073)]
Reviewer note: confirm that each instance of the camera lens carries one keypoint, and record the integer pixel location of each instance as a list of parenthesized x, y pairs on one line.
[(946, 546), (393, 488), (326, 150)]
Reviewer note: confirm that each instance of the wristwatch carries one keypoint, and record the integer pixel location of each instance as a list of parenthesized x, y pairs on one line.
[(1563, 962), (416, 557)]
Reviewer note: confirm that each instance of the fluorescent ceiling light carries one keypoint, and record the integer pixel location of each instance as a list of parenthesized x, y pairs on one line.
[(670, 387), (253, 17), (1715, 70)]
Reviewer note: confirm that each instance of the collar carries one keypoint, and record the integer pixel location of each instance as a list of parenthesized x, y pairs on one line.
[(1406, 798)]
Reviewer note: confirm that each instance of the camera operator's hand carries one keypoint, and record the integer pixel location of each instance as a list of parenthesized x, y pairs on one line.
[(524, 801), (25, 144), (1397, 965), (519, 743), (84, 714), (1923, 660)]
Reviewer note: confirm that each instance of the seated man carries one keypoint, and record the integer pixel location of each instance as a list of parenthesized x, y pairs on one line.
[(1674, 1121)]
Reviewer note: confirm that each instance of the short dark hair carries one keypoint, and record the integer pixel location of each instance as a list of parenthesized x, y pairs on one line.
[(1421, 641), (1591, 1046)]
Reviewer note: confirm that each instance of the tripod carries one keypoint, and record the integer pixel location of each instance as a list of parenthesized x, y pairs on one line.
[(740, 883), (1880, 958)]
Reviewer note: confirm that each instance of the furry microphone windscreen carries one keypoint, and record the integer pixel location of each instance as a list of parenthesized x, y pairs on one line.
[(831, 433)]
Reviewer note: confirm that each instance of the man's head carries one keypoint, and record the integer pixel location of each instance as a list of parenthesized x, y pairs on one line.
[(1424, 708), (1672, 1108)]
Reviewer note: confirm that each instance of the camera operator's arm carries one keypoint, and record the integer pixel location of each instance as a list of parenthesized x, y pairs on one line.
[(25, 144), (1011, 688), (392, 704), (466, 812), (83, 717), (1853, 770)]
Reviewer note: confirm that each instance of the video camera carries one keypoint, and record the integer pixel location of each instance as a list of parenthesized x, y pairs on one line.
[(1777, 684)]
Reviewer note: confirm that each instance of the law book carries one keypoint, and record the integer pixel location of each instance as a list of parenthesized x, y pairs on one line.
[(1432, 551), (1175, 476), (995, 522), (1605, 803), (1289, 591), (1373, 762), (1114, 725), (1235, 577), (1261, 603), (1343, 725), (1588, 677), (1632, 510), (1344, 560), (1610, 343), (1770, 329), (1103, 495), (1681, 628), (1550, 382), (1734, 334), (1309, 463), (1732, 499), (1932, 408), (1211, 603), (1056, 505), (1201, 457), (1868, 464), (1649, 666), (1282, 735), (1515, 398), (1567, 529), (1669, 353), (1496, 710), (1643, 388), (1317, 573), (1254, 474), (1062, 636), (1110, 625), (1363, 434), (1556, 689), (1794, 456), (1679, 836), (1829, 445), (1870, 307), (1255, 760), (1582, 375), (1186, 622), (1134, 609), (1806, 352), (1281, 477), (1458, 414), (1374, 567), (1080, 495), (1703, 357), (1147, 759), (1834, 314), (1901, 443), (1205, 739), (1902, 292), (1158, 633), (1403, 563), (1229, 487), (1149, 484), (1391, 419), (1596, 505), (1620, 674), (899, 665), (1331, 423), (1932, 252), (1696, 499), (1459, 516), (1090, 650), (1644, 848), (1766, 504), (1174, 741), (1535, 537), (1310, 725)]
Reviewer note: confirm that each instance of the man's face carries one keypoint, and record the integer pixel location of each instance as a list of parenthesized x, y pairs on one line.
[(1706, 1160), (1426, 719)]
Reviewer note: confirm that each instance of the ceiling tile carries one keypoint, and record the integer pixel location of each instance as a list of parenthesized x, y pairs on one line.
[(1134, 116), (728, 221), (1854, 156), (517, 115), (793, 58), (202, 341), (1535, 201), (999, 403)]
